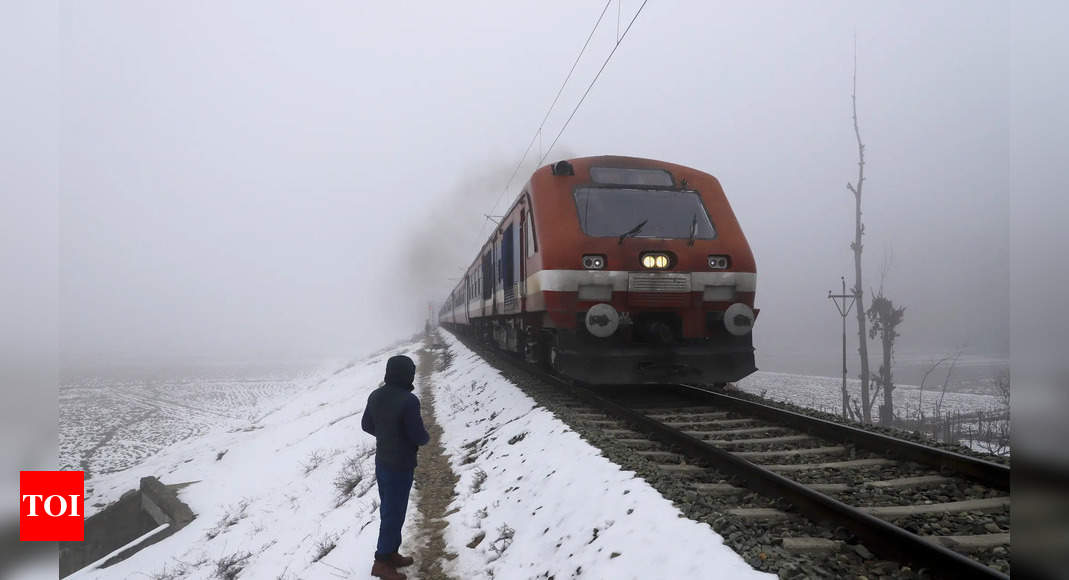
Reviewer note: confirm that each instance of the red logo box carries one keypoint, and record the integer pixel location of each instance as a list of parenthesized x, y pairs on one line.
[(51, 506)]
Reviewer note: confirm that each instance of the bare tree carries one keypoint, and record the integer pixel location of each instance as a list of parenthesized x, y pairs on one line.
[(1002, 389), (859, 230), (946, 381), (993, 435), (924, 379)]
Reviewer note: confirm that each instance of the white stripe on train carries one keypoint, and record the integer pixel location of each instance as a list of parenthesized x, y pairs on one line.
[(570, 280)]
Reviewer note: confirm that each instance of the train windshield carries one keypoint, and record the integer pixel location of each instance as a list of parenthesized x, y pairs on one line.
[(643, 213)]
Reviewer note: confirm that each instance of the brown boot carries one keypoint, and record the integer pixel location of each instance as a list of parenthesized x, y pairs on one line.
[(383, 569), (399, 561)]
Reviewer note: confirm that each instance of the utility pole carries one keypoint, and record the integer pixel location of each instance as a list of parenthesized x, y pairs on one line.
[(843, 307)]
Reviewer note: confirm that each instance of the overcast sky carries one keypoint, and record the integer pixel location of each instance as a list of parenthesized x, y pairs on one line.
[(274, 179)]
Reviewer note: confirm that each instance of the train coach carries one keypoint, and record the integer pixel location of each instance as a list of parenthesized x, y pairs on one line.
[(616, 270)]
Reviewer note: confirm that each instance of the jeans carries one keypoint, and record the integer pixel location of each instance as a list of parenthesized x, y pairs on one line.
[(393, 503)]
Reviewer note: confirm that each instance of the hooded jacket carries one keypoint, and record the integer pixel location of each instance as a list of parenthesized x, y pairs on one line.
[(392, 415)]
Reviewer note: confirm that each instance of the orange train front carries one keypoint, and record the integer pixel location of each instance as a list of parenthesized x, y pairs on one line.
[(616, 270)]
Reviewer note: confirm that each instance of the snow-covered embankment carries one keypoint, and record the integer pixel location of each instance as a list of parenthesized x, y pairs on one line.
[(291, 496), (536, 500)]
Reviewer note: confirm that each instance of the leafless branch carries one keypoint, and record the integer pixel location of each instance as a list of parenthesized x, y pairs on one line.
[(946, 380)]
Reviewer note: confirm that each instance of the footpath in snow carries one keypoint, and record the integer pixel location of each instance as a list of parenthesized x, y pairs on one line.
[(504, 490)]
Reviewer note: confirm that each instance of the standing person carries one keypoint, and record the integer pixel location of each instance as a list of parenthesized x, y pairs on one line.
[(392, 416)]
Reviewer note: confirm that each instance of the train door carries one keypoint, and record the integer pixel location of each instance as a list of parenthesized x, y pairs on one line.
[(508, 268), (497, 272), (467, 299), (487, 281), (522, 260)]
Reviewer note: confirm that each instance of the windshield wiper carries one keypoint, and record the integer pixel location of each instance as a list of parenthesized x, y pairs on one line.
[(693, 230), (632, 231)]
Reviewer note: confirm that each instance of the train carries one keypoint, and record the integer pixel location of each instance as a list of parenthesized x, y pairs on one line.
[(615, 270)]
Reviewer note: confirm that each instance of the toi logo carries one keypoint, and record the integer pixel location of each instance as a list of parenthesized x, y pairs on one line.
[(51, 506)]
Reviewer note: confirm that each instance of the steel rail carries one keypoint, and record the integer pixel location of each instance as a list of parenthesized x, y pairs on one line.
[(884, 538), (987, 472)]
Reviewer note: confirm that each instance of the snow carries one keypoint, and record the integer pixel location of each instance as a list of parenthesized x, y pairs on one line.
[(112, 419), (257, 500), (266, 501), (825, 394), (548, 503), (95, 565)]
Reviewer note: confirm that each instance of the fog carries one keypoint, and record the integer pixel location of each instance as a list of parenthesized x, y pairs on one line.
[(264, 181), (269, 180)]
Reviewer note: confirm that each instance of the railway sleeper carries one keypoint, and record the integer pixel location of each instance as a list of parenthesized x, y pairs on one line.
[(587, 414), (746, 430), (621, 433), (766, 514), (852, 464), (791, 452), (711, 423), (678, 411), (642, 444), (968, 544), (601, 422), (680, 468), (689, 417), (829, 487), (758, 440), (719, 489), (660, 455), (811, 545), (908, 482), (969, 505)]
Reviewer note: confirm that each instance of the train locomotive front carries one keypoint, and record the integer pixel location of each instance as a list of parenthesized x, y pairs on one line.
[(616, 270)]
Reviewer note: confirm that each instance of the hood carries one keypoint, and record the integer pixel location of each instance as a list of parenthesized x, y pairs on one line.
[(400, 371)]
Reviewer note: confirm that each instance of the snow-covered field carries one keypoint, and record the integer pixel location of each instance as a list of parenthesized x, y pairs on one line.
[(269, 505), (115, 419), (267, 496), (537, 501), (825, 394)]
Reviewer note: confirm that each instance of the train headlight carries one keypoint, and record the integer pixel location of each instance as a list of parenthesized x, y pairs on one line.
[(655, 261), (718, 262), (594, 262)]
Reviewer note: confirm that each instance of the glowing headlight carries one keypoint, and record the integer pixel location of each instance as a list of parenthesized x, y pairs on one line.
[(655, 261), (594, 262), (718, 262)]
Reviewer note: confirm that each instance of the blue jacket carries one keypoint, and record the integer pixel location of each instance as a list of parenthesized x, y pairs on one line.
[(392, 416)]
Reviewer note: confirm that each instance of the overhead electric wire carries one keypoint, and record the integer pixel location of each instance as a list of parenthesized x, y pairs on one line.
[(560, 91), (592, 82), (541, 126)]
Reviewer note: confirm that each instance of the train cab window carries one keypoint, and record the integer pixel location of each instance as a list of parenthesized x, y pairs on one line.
[(623, 176), (528, 226), (643, 213)]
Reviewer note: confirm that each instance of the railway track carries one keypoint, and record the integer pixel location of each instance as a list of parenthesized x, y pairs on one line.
[(829, 472), (824, 487)]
